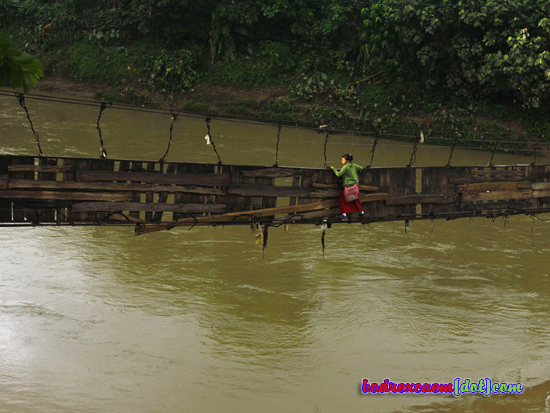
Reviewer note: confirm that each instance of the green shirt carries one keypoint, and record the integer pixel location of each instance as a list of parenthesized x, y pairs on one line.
[(349, 172)]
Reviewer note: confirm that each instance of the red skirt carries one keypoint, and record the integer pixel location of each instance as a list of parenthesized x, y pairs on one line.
[(346, 207)]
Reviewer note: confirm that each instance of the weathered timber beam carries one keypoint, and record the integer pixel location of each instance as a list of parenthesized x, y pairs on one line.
[(474, 179), (540, 186), (503, 205), (40, 168), (246, 215), (125, 218), (488, 186), (365, 188), (155, 178), (267, 190), (76, 196), (541, 194), (3, 182), (273, 173), (497, 172), (421, 199), (109, 186), (497, 195), (148, 206), (326, 194)]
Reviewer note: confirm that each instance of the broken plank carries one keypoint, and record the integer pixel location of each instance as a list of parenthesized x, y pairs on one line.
[(244, 189), (496, 195), (155, 178), (77, 196), (148, 206), (259, 213), (421, 199), (488, 186), (41, 168)]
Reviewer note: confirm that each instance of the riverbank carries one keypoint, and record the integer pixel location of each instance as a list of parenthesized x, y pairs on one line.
[(347, 103)]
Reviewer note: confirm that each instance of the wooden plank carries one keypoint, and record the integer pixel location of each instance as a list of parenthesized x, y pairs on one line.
[(421, 198), (5, 205), (19, 213), (126, 218), (473, 179), (136, 167), (267, 190), (497, 195), (156, 178), (295, 182), (41, 168), (366, 188), (150, 195), (541, 194), (502, 205), (108, 186), (488, 186), (47, 214), (3, 182), (147, 206), (77, 196), (273, 173), (540, 186), (497, 172), (163, 196), (276, 211)]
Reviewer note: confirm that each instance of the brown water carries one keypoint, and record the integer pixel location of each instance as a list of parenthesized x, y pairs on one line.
[(97, 320)]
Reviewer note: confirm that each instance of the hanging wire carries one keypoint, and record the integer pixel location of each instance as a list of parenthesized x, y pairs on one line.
[(493, 150), (535, 153), (455, 141), (174, 119), (325, 149), (376, 137), (21, 100), (277, 151), (103, 106), (209, 140), (413, 154)]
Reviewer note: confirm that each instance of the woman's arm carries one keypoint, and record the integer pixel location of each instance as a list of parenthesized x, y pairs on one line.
[(340, 172)]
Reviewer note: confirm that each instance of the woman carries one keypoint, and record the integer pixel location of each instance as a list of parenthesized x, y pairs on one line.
[(350, 178)]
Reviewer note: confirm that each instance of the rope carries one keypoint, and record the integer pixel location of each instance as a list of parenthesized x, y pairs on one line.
[(21, 100), (174, 119), (493, 150), (455, 141), (535, 153), (413, 154), (209, 140), (101, 109), (376, 137), (326, 141), (277, 150)]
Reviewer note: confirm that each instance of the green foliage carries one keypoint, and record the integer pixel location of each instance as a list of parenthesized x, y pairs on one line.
[(17, 69), (501, 50), (176, 71)]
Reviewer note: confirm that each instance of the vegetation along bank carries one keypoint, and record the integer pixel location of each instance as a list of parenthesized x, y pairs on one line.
[(474, 70)]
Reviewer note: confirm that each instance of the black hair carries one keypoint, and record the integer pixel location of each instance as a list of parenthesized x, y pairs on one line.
[(348, 157)]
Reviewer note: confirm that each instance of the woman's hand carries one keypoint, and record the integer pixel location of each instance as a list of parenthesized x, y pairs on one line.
[(331, 167)]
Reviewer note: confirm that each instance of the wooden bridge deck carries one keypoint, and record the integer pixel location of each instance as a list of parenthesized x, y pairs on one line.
[(84, 191)]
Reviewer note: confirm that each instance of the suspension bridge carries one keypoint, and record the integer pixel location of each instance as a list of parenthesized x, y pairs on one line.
[(161, 195)]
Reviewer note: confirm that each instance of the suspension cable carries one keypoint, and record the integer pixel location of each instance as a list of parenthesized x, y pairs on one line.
[(21, 100)]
